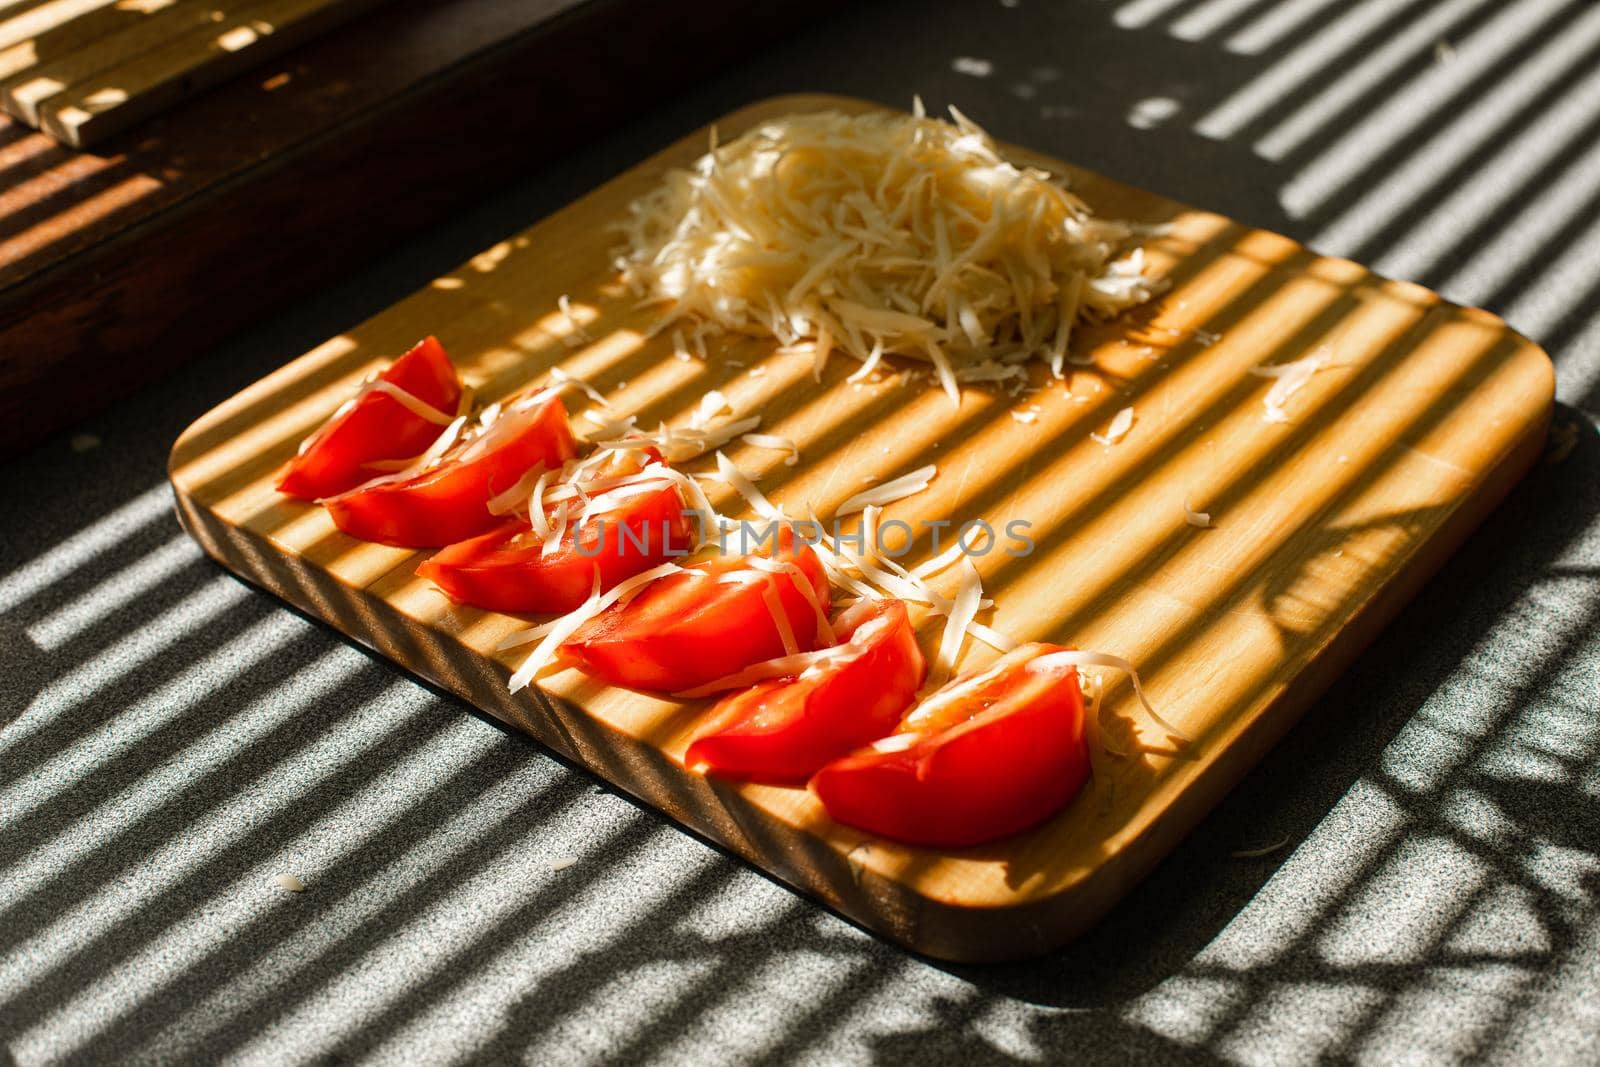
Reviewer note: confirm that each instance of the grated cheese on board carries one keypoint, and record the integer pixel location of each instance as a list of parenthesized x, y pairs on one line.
[(682, 443), (576, 335), (1121, 423), (711, 405), (1291, 378), (775, 441), (1078, 657), (880, 234), (890, 491), (551, 635)]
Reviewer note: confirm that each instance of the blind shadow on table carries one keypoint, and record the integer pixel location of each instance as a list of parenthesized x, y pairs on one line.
[(1510, 789)]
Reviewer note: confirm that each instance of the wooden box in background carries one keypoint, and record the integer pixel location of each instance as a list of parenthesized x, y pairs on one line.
[(118, 264)]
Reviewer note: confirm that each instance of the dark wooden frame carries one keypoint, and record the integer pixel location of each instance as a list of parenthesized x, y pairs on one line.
[(380, 129)]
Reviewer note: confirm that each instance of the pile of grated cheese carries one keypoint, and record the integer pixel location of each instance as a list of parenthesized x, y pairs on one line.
[(880, 234)]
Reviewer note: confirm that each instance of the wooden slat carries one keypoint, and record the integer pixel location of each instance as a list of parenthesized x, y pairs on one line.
[(32, 23), (58, 69), (35, 50), (1325, 525), (114, 98)]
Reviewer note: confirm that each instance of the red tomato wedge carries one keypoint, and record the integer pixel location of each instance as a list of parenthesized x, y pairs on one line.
[(449, 500), (782, 729), (375, 425), (710, 620), (988, 755), (640, 526)]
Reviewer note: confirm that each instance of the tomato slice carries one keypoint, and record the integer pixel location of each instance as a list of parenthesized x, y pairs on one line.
[(375, 426), (988, 755), (783, 729), (507, 569), (449, 502), (687, 629)]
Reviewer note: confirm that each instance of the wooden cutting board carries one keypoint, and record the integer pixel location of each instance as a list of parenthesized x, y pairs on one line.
[(1324, 525)]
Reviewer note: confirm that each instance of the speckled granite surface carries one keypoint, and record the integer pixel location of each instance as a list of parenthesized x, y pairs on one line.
[(170, 739)]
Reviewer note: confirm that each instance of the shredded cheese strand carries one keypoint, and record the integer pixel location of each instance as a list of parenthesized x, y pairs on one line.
[(557, 631), (552, 539), (800, 664), (605, 426), (780, 618), (746, 488), (1078, 657), (504, 503), (889, 492), (496, 424), (564, 380), (422, 462), (902, 586), (1291, 378), (576, 334), (773, 441), (869, 364), (711, 405), (949, 693), (802, 585), (411, 402), (646, 481), (536, 515), (928, 568), (962, 613), (1201, 519), (781, 667), (1120, 425), (681, 444)]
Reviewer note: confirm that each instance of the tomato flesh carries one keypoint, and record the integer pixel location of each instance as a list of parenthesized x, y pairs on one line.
[(1002, 756), (783, 729), (687, 629), (508, 570), (450, 502), (377, 427)]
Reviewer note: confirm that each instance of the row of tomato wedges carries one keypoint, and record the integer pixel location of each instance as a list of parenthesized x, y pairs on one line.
[(806, 695)]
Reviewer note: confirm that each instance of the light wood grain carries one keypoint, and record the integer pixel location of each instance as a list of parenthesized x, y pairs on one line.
[(1325, 525)]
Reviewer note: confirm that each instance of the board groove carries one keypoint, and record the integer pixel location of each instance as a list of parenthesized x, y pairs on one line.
[(1326, 526)]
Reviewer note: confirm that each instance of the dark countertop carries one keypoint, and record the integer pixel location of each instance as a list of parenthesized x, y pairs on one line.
[(170, 738)]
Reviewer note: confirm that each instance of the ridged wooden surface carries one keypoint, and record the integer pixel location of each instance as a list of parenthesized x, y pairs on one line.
[(1325, 525)]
